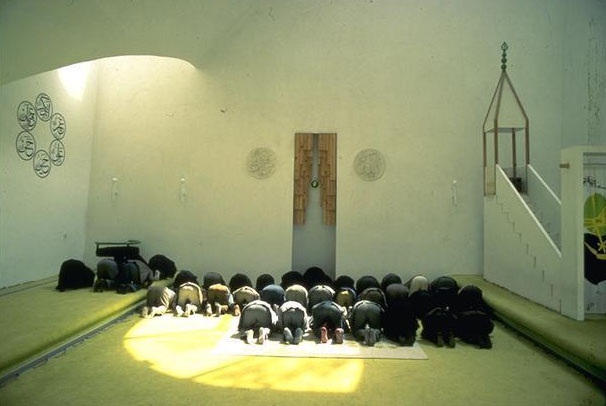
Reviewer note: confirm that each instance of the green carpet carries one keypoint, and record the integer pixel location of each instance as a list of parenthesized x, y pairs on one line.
[(36, 319), (582, 342), (133, 364)]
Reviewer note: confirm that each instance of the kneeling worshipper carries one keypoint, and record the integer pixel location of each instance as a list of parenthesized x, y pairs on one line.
[(159, 300), (257, 317), (473, 323), (189, 299), (366, 321), (328, 320), (293, 320)]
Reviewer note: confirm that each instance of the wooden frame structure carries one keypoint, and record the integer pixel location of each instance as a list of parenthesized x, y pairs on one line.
[(496, 130)]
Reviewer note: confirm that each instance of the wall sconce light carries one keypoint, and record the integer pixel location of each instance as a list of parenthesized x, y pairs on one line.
[(114, 189), (182, 192)]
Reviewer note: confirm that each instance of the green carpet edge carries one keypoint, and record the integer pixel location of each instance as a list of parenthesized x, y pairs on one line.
[(89, 323), (570, 350)]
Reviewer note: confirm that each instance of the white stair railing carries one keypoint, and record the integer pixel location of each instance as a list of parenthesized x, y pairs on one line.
[(546, 205)]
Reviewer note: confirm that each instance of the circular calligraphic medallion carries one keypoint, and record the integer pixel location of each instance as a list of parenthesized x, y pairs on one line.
[(26, 115), (57, 126), (261, 163), (369, 164), (42, 163), (26, 145), (57, 152), (44, 106)]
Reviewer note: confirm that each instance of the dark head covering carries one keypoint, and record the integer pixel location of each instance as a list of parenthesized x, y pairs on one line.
[(315, 276), (213, 278), (389, 279), (366, 282), (273, 294), (239, 280), (183, 277), (344, 281), (165, 265), (445, 290), (292, 278), (470, 298), (264, 280), (74, 274), (396, 295)]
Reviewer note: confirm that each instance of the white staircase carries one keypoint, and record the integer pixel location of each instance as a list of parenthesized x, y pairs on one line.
[(522, 239)]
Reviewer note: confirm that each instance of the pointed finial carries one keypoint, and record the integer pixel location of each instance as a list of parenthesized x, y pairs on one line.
[(504, 48)]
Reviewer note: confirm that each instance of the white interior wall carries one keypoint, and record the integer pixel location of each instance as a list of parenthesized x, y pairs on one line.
[(160, 120), (412, 79), (43, 220), (584, 79)]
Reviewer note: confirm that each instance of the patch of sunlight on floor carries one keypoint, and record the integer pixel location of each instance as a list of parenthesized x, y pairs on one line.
[(288, 374), (187, 349)]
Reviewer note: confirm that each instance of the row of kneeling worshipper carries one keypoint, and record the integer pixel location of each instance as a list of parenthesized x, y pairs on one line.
[(367, 308)]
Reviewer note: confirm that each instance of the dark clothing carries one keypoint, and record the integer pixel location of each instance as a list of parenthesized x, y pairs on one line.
[(470, 297), (396, 295), (257, 314), (107, 269), (366, 282), (422, 302), (164, 265), (365, 312), (399, 322), (445, 290), (264, 280), (273, 294), (345, 281), (319, 293), (212, 278), (316, 276), (132, 276), (292, 315), (472, 324), (375, 295), (183, 277), (292, 278), (239, 280), (437, 323), (327, 314), (389, 279), (73, 274)]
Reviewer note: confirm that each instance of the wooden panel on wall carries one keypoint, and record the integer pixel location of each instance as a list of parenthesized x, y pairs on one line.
[(303, 160), (327, 172)]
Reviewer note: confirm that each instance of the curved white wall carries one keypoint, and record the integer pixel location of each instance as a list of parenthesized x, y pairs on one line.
[(410, 78)]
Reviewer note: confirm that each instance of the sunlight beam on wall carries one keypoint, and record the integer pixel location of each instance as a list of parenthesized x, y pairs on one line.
[(74, 78)]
